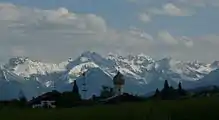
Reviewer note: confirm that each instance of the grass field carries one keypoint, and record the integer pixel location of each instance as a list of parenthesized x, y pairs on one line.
[(193, 109)]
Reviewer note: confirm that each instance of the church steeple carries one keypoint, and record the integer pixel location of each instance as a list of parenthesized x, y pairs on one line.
[(118, 82), (75, 88)]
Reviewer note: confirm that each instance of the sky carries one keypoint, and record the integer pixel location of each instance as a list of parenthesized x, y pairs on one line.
[(54, 30)]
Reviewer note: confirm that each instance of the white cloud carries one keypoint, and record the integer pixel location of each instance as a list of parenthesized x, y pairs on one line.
[(8, 12), (187, 41), (60, 19), (144, 17), (58, 34), (167, 38), (196, 3), (171, 10), (200, 3), (140, 34)]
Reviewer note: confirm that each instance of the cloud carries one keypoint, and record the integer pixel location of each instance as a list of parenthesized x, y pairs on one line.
[(166, 38), (204, 48), (57, 34), (60, 19), (40, 32), (171, 10), (187, 41), (144, 17), (140, 34), (200, 3), (195, 3)]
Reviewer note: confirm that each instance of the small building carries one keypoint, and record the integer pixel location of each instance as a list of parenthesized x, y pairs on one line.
[(45, 104), (56, 99), (118, 82), (47, 100)]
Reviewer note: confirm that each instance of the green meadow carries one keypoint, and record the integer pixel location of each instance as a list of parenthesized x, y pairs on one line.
[(189, 109)]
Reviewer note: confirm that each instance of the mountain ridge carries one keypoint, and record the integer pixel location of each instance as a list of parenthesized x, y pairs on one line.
[(143, 74)]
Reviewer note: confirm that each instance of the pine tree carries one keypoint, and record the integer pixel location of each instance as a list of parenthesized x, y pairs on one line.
[(166, 91), (106, 92), (94, 97), (75, 87), (157, 93), (179, 86), (75, 91), (181, 92), (166, 85)]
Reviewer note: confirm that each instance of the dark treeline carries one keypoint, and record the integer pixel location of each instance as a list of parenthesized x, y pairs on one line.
[(168, 92), (73, 98)]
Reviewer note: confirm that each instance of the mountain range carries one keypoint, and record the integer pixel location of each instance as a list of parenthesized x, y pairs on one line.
[(142, 73)]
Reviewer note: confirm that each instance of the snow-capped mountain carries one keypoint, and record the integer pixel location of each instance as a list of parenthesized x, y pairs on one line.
[(142, 73)]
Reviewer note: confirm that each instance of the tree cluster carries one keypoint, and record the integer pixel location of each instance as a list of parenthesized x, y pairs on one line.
[(168, 92), (106, 92)]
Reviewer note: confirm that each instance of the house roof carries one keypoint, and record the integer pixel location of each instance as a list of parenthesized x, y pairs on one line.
[(46, 96)]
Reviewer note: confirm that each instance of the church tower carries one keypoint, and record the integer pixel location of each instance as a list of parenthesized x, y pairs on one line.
[(118, 82)]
